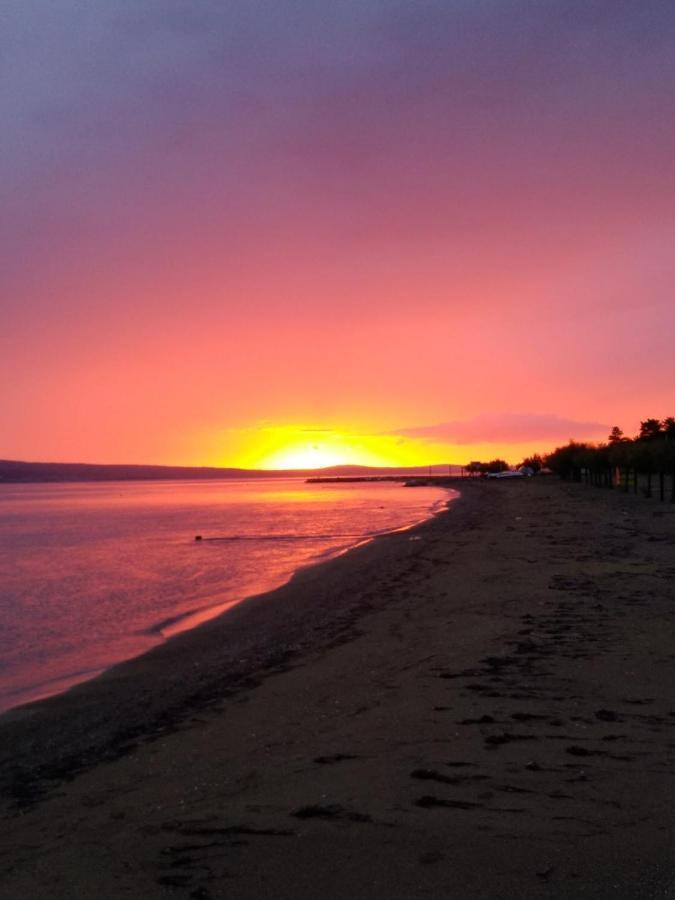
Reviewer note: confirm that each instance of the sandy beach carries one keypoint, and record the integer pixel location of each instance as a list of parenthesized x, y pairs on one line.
[(483, 707)]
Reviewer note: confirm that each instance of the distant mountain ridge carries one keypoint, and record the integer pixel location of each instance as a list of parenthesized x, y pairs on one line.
[(17, 472)]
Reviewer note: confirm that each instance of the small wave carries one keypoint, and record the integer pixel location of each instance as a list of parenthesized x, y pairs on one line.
[(158, 627), (40, 690)]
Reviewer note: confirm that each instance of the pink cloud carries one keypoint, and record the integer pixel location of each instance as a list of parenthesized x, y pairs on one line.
[(507, 428)]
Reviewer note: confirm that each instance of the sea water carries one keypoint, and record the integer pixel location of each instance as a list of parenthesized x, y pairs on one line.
[(95, 573)]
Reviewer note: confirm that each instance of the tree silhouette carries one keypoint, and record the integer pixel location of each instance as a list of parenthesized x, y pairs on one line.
[(649, 430), (668, 426), (495, 465), (534, 462), (651, 452)]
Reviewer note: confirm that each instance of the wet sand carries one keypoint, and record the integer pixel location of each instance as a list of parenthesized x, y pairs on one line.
[(481, 707)]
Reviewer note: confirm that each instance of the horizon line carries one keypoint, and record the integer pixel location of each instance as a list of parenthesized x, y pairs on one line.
[(223, 468)]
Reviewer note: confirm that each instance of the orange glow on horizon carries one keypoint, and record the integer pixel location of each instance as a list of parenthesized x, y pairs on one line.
[(309, 447), (291, 447)]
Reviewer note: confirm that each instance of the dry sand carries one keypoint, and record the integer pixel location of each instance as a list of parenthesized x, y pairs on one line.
[(482, 707)]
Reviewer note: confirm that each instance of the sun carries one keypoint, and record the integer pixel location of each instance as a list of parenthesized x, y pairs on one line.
[(299, 446), (304, 456)]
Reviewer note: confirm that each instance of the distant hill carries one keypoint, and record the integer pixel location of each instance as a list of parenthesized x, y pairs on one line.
[(15, 471)]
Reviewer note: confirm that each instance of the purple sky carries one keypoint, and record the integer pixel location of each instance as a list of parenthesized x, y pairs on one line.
[(367, 217)]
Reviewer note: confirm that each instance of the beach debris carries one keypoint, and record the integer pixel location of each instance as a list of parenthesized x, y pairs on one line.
[(582, 751), (465, 673), (333, 758), (429, 802), (330, 811), (433, 775), (570, 583), (512, 789), (496, 740), (204, 828)]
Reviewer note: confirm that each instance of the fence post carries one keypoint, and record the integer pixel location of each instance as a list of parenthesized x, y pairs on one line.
[(635, 480), (662, 486)]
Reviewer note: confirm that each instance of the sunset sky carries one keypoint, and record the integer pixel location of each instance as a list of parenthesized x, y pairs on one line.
[(278, 232)]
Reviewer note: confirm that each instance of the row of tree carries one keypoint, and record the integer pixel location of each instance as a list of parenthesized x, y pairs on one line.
[(651, 450), (483, 468)]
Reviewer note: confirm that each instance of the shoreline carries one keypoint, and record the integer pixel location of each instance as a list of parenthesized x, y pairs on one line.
[(170, 627), (485, 711), (89, 703)]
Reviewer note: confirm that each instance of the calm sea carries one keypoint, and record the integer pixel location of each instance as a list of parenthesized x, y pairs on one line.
[(92, 574)]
